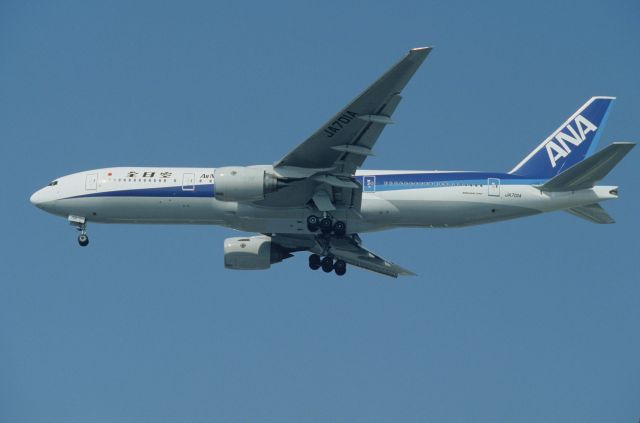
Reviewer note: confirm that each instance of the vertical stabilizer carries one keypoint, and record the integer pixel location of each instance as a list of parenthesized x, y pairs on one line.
[(575, 140)]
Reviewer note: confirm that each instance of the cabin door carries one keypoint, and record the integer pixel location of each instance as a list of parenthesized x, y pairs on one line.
[(91, 182), (493, 185), (188, 181)]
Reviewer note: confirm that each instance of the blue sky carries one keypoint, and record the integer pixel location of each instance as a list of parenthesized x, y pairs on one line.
[(530, 320)]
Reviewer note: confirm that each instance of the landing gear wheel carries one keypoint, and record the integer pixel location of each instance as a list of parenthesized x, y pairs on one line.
[(83, 240), (327, 264), (340, 267), (326, 225), (314, 262), (312, 223), (339, 228)]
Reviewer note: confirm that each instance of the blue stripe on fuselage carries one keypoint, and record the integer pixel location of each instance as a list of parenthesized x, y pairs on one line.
[(203, 190), (395, 181)]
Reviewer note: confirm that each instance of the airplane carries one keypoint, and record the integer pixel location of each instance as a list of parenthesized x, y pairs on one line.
[(317, 199)]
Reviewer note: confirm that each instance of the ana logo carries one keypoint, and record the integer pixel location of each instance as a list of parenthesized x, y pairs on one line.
[(558, 148)]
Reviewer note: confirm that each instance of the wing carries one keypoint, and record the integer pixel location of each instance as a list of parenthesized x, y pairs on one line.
[(348, 249), (344, 142)]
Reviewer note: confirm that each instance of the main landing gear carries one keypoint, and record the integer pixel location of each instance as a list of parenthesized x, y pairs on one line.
[(326, 225), (327, 264), (328, 229)]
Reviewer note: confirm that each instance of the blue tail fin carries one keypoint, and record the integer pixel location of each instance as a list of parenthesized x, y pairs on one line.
[(571, 143)]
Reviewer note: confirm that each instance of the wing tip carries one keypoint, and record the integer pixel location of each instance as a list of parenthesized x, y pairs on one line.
[(419, 53), (426, 48)]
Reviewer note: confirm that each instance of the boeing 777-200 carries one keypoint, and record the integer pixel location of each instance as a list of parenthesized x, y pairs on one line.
[(316, 199)]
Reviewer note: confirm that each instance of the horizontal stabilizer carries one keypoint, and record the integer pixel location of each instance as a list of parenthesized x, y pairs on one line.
[(588, 172), (593, 213)]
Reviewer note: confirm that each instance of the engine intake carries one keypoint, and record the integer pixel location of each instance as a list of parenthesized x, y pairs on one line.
[(243, 184), (252, 253)]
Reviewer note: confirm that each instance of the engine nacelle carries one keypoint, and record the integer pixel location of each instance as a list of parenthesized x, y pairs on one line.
[(252, 253), (237, 183)]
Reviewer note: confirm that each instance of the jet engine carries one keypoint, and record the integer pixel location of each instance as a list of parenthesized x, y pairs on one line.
[(252, 253), (236, 183)]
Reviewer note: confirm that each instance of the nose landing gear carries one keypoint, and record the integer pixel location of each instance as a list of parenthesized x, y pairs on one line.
[(83, 240), (80, 223)]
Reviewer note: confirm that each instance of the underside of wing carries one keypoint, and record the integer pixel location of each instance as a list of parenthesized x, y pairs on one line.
[(356, 255), (348, 248)]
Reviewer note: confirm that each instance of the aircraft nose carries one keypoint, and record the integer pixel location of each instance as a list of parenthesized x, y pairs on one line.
[(36, 198)]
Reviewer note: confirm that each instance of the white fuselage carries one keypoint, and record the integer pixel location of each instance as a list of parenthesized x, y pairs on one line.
[(389, 199)]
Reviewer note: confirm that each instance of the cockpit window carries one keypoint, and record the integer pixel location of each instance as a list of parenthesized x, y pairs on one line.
[(53, 183)]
